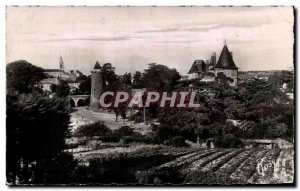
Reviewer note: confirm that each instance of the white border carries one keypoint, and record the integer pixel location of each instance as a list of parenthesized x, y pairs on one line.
[(116, 3)]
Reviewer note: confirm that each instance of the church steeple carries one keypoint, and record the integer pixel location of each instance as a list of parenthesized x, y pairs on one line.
[(61, 64)]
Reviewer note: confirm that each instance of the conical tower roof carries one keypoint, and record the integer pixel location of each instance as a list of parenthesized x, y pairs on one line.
[(97, 65), (225, 60)]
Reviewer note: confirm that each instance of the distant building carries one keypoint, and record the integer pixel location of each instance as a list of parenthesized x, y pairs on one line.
[(46, 84), (54, 76), (213, 61), (58, 73), (252, 75), (74, 74), (224, 65), (73, 85), (198, 67), (227, 66), (267, 143)]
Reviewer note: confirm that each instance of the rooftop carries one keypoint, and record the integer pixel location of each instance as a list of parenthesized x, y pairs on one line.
[(225, 60)]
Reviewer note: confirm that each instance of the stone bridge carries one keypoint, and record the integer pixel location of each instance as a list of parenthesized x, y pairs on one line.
[(78, 100)]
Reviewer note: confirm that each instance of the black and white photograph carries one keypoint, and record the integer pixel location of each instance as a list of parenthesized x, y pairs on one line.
[(150, 96)]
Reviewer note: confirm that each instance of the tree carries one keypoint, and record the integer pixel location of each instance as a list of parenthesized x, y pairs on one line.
[(137, 80), (126, 79), (36, 130), (62, 89), (280, 77), (22, 77), (81, 78), (111, 80), (228, 141), (85, 86), (93, 129), (263, 110), (160, 77), (267, 108), (276, 130)]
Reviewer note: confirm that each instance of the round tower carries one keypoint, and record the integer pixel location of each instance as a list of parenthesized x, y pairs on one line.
[(96, 85)]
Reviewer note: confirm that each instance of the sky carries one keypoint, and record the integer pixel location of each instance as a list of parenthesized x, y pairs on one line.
[(261, 38)]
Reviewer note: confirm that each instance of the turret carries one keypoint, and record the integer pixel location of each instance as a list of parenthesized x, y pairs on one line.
[(96, 84), (227, 66)]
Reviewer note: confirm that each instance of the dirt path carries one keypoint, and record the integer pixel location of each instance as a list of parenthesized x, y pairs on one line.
[(84, 116)]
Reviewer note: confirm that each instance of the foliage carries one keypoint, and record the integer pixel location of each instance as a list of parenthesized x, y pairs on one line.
[(99, 129), (22, 76), (135, 138), (265, 111), (36, 128), (93, 129), (124, 131), (61, 170), (178, 141), (85, 86), (266, 106), (228, 141), (111, 80), (81, 78), (221, 78), (159, 77), (280, 77), (127, 79), (61, 90), (137, 80)]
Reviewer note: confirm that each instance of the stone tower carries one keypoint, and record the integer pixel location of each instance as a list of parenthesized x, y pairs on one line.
[(96, 85), (61, 64), (226, 65)]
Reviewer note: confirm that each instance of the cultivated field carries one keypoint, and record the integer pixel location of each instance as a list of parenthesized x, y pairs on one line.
[(161, 164), (229, 166)]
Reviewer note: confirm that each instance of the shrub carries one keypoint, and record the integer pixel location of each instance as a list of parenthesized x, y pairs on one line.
[(130, 139), (124, 131), (138, 119), (73, 145), (178, 141), (136, 137), (116, 135), (94, 129), (154, 127), (110, 137), (164, 132), (228, 141)]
